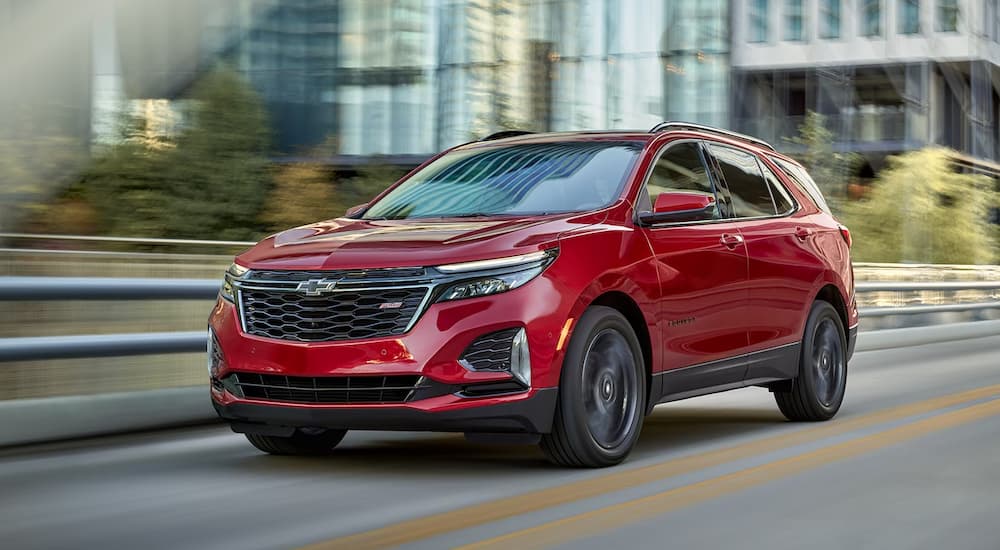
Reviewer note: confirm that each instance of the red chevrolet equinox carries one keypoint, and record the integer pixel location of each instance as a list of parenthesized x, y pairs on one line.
[(548, 288)]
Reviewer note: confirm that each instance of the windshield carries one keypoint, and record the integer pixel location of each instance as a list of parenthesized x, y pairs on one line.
[(541, 178)]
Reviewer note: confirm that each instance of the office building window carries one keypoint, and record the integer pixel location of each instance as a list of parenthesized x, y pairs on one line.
[(946, 19), (794, 21), (758, 21), (909, 17), (871, 17), (829, 18), (993, 19)]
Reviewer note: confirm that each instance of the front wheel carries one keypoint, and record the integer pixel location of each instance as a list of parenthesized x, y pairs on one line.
[(818, 390), (602, 392), (300, 443)]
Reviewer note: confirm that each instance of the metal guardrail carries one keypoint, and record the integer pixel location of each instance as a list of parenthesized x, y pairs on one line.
[(118, 345), (36, 348), (106, 288), (929, 285), (133, 240), (57, 417)]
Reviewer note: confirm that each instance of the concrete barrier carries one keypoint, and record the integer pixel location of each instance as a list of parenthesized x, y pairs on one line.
[(908, 337), (56, 418)]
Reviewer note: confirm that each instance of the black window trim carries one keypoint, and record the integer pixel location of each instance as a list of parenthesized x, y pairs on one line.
[(706, 159), (756, 156)]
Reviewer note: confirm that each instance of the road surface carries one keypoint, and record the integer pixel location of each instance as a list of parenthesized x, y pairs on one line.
[(912, 461)]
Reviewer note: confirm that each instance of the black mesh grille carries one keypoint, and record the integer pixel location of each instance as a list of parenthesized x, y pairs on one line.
[(327, 389), (347, 315), (491, 351)]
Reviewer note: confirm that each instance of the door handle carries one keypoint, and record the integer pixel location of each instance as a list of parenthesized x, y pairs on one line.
[(802, 233), (731, 241)]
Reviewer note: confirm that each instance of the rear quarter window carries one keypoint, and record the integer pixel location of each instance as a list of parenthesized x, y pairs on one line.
[(802, 179), (782, 201)]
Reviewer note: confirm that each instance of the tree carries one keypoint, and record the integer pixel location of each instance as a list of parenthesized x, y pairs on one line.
[(207, 182), (303, 192), (370, 180), (921, 210), (309, 191), (830, 170)]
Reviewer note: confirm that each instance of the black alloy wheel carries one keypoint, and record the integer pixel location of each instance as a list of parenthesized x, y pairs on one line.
[(602, 393), (818, 390)]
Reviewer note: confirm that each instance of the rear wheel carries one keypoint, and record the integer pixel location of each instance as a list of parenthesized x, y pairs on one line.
[(602, 391), (300, 443), (818, 390)]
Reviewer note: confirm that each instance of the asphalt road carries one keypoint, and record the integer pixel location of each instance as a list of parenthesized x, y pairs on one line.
[(912, 461)]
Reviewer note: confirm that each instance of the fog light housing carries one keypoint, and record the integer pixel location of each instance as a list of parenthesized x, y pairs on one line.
[(520, 358), (502, 351)]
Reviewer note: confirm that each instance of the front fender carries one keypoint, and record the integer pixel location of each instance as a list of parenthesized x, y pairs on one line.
[(610, 259)]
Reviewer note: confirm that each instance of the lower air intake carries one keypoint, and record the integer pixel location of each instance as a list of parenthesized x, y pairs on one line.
[(326, 389)]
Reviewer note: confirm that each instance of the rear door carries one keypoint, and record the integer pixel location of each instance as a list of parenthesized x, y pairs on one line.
[(702, 269), (783, 267)]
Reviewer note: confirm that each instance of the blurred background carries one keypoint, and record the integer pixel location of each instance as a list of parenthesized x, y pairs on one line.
[(143, 143), (226, 120)]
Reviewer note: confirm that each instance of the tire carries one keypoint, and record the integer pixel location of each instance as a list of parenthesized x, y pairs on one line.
[(818, 390), (602, 394), (299, 443)]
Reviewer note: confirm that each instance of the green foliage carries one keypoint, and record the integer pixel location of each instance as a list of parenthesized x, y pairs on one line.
[(831, 170), (921, 210), (302, 193), (310, 191), (370, 180), (31, 170), (208, 182)]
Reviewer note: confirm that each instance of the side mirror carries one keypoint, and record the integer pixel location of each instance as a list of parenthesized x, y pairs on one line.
[(679, 206), (355, 210)]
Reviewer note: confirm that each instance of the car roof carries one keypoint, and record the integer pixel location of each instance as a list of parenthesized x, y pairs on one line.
[(559, 137), (513, 137)]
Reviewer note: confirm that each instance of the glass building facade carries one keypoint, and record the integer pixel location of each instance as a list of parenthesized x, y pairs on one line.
[(909, 16), (829, 19), (410, 77)]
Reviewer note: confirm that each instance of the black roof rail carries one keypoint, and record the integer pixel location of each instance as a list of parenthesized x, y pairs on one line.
[(677, 125), (505, 134)]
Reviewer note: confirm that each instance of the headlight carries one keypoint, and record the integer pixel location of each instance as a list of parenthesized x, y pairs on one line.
[(496, 275), (235, 271)]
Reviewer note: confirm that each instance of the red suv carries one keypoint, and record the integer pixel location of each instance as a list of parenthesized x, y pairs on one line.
[(548, 288)]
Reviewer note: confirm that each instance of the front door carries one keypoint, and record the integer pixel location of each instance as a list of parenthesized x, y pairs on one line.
[(702, 268)]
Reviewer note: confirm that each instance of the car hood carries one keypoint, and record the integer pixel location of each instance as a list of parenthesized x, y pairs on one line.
[(345, 243)]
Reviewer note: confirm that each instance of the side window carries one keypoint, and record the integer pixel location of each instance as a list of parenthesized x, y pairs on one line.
[(782, 201), (679, 168), (805, 183), (750, 194)]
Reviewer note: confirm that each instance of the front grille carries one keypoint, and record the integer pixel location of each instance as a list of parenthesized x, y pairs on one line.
[(340, 315), (491, 351), (327, 389)]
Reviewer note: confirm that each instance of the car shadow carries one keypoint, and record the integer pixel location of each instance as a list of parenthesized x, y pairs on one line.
[(669, 431)]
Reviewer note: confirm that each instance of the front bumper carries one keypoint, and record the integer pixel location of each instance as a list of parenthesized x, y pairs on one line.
[(530, 412), (464, 400)]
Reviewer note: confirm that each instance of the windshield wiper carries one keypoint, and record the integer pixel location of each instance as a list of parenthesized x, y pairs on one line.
[(473, 215)]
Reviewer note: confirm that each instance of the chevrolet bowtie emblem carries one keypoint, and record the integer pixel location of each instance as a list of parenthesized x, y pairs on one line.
[(315, 287)]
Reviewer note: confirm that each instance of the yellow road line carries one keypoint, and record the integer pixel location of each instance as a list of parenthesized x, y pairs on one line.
[(618, 515), (413, 530)]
